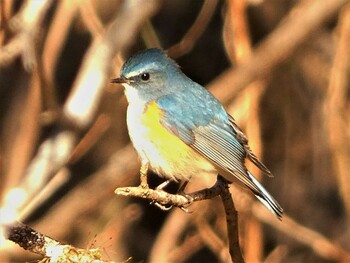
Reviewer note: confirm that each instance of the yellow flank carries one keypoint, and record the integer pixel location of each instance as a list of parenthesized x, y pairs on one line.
[(157, 132), (174, 158)]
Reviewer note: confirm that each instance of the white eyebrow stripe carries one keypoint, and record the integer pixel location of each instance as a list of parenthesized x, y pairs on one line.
[(133, 73)]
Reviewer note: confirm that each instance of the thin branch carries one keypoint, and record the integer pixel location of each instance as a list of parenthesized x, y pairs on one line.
[(212, 240), (182, 253), (238, 47), (335, 108), (158, 196), (117, 171), (27, 22), (232, 224), (81, 106), (91, 19), (195, 31), (95, 70), (54, 251), (320, 244), (96, 131), (278, 46), (169, 237), (183, 201), (57, 35)]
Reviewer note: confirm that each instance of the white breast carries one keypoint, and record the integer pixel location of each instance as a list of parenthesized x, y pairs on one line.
[(138, 132), (183, 167)]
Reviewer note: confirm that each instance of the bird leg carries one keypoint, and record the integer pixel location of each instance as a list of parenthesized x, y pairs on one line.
[(181, 191), (160, 188), (143, 175), (144, 185), (182, 187), (164, 184), (160, 206)]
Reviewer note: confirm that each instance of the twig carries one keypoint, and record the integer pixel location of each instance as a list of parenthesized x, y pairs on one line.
[(48, 190), (238, 47), (318, 243), (164, 198), (305, 18), (81, 106), (232, 224), (91, 19), (195, 31), (169, 236), (149, 35), (24, 143), (27, 22), (98, 128), (236, 34), (335, 108), (95, 190), (62, 20), (220, 188), (321, 245), (182, 253), (93, 76), (216, 244), (158, 196), (33, 241)]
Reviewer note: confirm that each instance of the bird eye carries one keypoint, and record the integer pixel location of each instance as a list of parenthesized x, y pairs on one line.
[(145, 76)]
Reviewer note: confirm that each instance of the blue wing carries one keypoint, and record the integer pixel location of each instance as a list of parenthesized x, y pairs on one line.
[(207, 128)]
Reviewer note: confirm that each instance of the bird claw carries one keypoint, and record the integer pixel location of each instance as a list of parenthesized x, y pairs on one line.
[(161, 206), (190, 201), (164, 184), (182, 207)]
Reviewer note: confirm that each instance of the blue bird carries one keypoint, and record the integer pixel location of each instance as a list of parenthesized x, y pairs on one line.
[(180, 130)]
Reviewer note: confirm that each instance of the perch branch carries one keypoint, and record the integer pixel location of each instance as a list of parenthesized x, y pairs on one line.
[(232, 224), (183, 201)]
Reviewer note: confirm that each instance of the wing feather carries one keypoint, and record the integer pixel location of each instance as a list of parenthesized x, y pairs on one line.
[(244, 141), (209, 130), (217, 145)]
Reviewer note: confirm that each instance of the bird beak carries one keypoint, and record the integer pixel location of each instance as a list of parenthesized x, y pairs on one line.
[(121, 80)]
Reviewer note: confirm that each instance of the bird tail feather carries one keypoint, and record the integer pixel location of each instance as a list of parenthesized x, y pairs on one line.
[(266, 199)]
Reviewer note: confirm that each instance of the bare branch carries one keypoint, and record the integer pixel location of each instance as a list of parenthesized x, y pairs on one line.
[(278, 46), (336, 111), (195, 31), (232, 224), (183, 201), (33, 241)]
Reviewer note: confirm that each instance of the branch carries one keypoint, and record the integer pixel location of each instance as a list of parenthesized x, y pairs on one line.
[(196, 30), (80, 108), (321, 245), (158, 196), (232, 224), (301, 21), (162, 198), (33, 241), (28, 23), (336, 109)]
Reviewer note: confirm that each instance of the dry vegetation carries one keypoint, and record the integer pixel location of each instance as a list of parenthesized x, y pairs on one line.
[(281, 68)]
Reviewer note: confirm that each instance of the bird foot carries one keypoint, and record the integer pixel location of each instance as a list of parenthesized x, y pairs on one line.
[(161, 206), (190, 202)]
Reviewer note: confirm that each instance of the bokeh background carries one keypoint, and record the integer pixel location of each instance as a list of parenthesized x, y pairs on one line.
[(280, 67)]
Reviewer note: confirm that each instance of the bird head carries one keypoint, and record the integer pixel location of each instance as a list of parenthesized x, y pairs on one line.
[(148, 74)]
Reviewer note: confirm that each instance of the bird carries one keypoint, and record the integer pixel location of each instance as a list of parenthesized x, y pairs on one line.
[(180, 130)]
